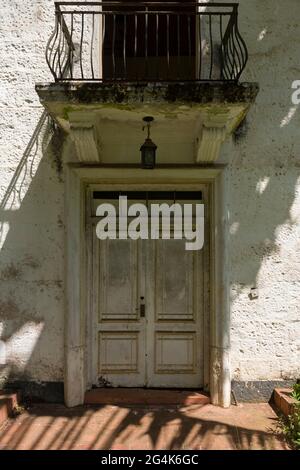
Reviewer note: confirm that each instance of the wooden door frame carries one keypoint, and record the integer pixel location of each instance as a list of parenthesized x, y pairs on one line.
[(92, 282), (78, 264)]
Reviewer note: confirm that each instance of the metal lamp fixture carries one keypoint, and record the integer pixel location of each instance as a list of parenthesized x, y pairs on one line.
[(148, 149)]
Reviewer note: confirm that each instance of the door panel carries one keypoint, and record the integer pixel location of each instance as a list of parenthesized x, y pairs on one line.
[(121, 331), (175, 315), (118, 352), (118, 280), (175, 352), (174, 281)]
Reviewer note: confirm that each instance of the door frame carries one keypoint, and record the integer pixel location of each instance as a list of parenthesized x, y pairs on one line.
[(78, 266), (92, 280)]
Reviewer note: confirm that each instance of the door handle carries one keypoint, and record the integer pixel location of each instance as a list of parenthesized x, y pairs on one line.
[(142, 308)]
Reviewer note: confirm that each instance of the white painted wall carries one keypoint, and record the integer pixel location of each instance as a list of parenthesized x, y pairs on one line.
[(31, 202), (264, 199)]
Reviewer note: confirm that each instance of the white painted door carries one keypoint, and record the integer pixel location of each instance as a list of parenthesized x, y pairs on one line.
[(121, 329), (149, 308), (174, 315)]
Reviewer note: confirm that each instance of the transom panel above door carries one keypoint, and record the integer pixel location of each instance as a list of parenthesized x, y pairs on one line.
[(147, 302)]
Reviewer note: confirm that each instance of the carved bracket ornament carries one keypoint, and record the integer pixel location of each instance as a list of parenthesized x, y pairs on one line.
[(210, 144), (84, 137)]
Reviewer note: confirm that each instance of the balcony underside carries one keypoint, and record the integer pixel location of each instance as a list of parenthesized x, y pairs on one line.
[(203, 113)]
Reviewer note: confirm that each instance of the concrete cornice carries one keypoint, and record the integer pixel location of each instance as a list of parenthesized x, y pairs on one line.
[(134, 93)]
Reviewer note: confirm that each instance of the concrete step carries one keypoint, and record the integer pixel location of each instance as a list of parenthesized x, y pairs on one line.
[(140, 396), (8, 401)]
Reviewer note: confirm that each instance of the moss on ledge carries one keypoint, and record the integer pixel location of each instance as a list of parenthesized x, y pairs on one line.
[(124, 94)]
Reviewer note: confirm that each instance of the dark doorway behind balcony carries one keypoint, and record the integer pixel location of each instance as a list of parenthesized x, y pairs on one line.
[(160, 43)]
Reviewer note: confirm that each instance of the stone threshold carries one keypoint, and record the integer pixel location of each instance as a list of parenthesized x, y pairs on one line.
[(140, 396)]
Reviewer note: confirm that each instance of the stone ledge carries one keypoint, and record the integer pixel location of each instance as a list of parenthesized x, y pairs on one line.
[(283, 400), (8, 401), (257, 390), (134, 93)]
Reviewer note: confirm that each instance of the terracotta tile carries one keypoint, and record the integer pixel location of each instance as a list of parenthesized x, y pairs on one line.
[(249, 426)]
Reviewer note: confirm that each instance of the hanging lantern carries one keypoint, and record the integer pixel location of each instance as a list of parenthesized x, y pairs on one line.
[(148, 149)]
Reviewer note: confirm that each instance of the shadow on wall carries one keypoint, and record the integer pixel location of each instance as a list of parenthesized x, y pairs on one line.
[(264, 269), (264, 202), (264, 257), (31, 260)]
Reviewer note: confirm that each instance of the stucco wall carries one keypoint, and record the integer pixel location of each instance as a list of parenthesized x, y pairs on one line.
[(264, 200), (31, 202)]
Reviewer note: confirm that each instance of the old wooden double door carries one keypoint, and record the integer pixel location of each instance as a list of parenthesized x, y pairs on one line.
[(148, 303)]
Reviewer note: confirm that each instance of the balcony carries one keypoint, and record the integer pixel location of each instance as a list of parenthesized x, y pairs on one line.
[(146, 41), (115, 62)]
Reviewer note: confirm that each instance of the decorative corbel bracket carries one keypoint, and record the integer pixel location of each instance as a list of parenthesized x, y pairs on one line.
[(210, 144), (83, 134)]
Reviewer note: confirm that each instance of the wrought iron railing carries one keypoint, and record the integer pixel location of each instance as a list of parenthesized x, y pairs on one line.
[(146, 41)]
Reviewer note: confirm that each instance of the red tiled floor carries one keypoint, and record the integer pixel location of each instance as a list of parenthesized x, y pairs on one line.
[(248, 426)]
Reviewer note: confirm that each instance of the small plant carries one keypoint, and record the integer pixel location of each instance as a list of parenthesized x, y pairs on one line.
[(291, 427), (296, 391), (18, 410)]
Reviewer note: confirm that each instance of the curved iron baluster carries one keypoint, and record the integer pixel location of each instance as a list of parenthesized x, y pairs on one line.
[(92, 45), (50, 48), (226, 60), (243, 46)]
